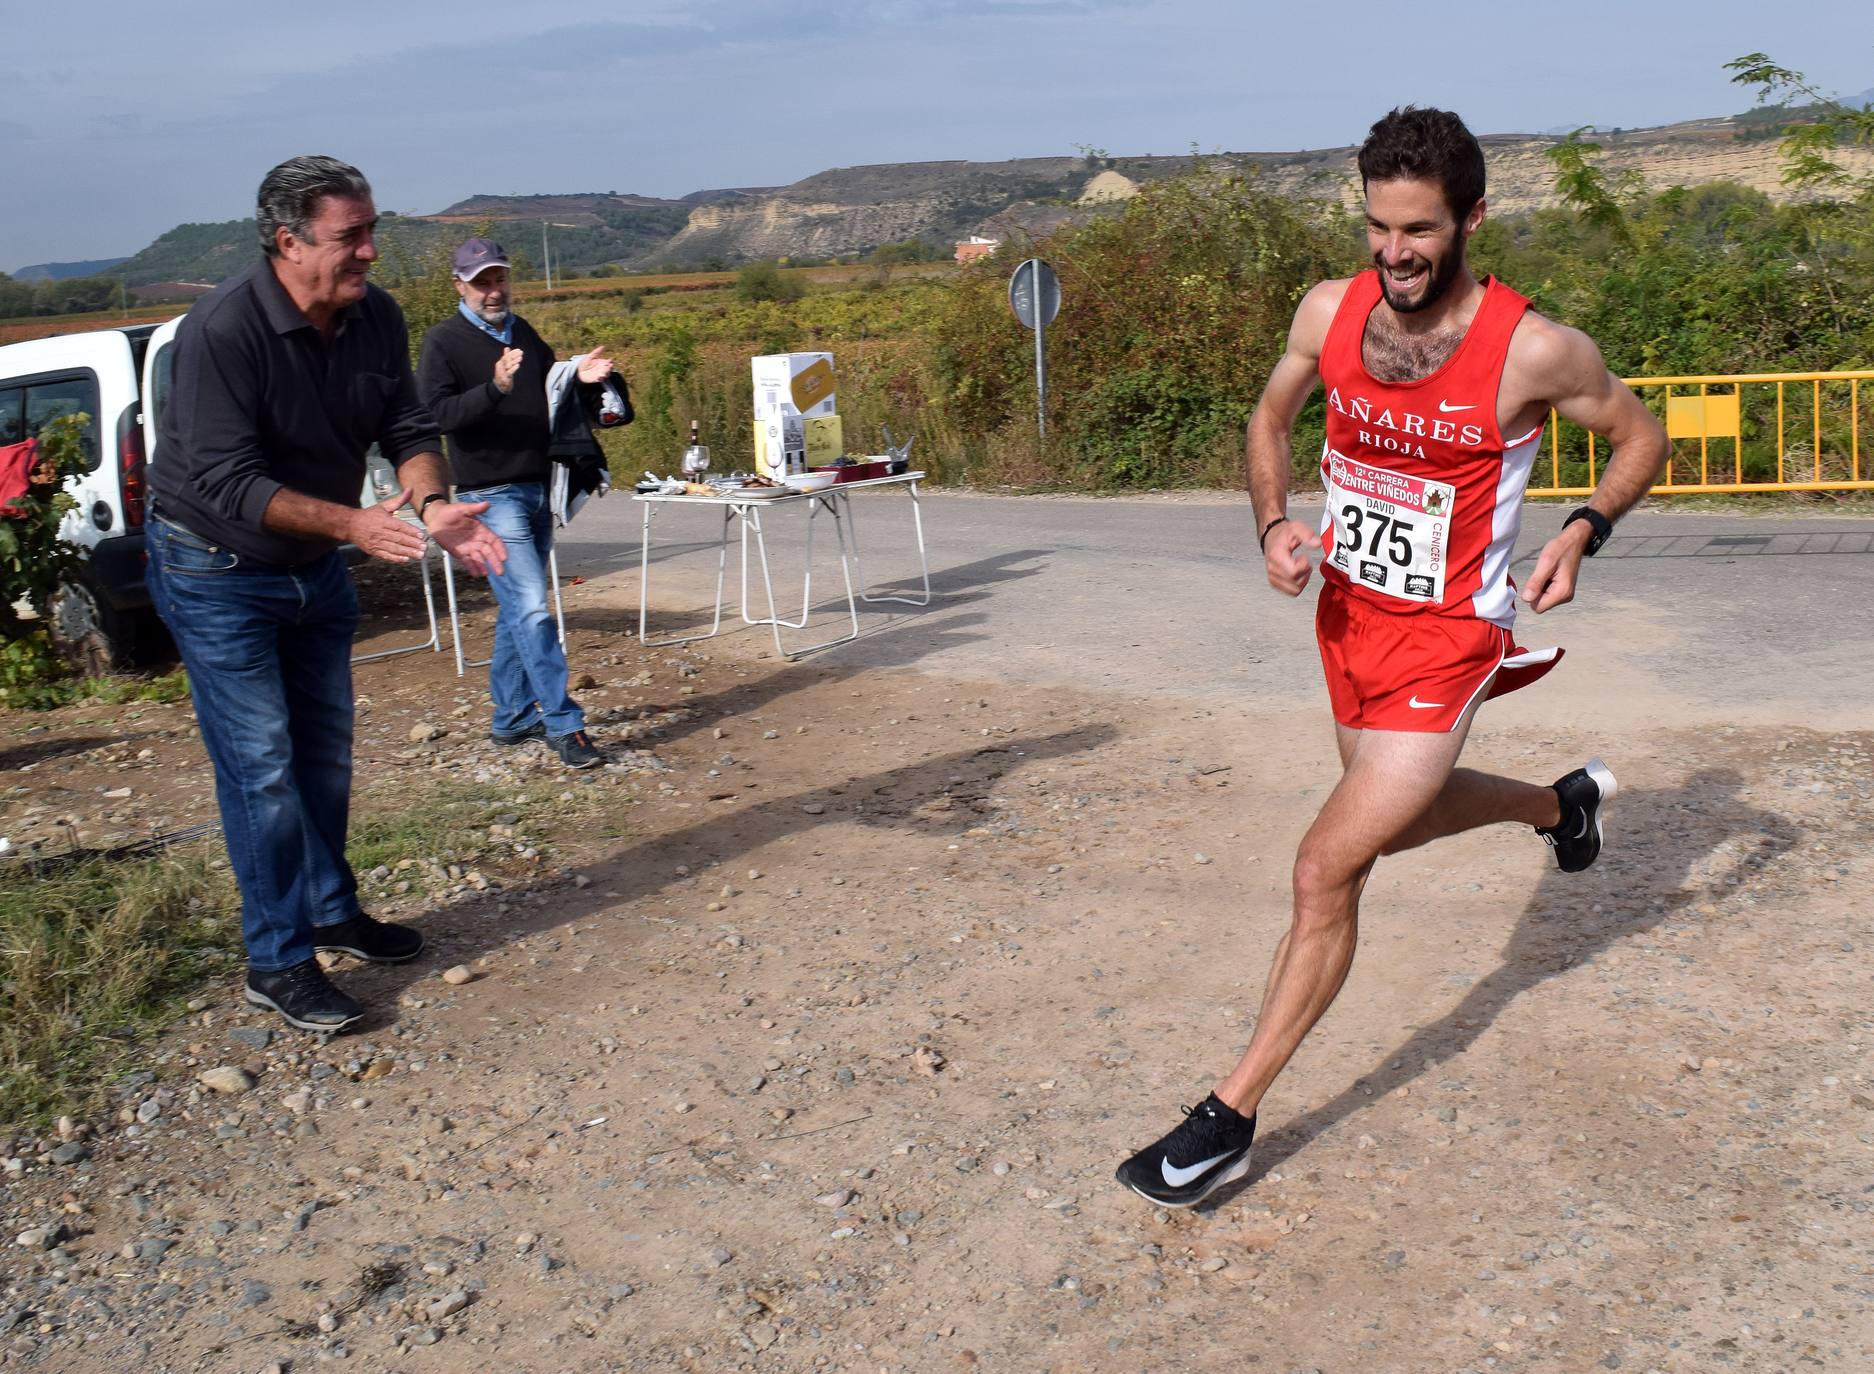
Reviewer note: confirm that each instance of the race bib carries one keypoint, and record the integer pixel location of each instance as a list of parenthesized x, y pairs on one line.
[(1391, 532)]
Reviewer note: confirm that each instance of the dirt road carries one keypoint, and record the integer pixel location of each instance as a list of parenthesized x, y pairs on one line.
[(812, 1037)]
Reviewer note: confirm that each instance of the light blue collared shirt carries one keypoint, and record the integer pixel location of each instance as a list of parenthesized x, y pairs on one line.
[(505, 333)]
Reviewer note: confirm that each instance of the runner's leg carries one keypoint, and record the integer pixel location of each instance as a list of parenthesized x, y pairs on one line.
[(1346, 739), (1391, 778), (1471, 799)]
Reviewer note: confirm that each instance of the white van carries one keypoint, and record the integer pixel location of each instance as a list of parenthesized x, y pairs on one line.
[(104, 613), (122, 379)]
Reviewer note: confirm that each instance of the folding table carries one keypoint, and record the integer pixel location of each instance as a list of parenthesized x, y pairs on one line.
[(746, 512)]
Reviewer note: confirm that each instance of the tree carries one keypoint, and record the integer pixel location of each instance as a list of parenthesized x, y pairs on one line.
[(1586, 189), (763, 281), (1835, 207), (1822, 126), (16, 297)]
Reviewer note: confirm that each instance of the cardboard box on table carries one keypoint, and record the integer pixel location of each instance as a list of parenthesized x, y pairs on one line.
[(800, 384), (786, 444)]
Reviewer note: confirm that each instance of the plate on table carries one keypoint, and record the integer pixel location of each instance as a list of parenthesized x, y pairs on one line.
[(762, 493)]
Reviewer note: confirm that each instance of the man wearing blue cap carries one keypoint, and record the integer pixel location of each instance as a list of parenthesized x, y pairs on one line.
[(483, 373)]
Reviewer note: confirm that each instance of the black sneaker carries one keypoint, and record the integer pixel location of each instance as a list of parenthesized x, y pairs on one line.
[(1208, 1149), (304, 996), (363, 938), (1576, 838), (538, 730), (575, 750)]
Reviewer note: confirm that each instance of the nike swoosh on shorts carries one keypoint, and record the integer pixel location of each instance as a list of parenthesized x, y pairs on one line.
[(1177, 1178), (1425, 705)]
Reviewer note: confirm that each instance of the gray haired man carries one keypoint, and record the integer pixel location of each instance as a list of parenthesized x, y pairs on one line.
[(285, 375)]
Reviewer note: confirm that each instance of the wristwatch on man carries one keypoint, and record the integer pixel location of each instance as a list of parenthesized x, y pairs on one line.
[(1597, 522), (431, 500)]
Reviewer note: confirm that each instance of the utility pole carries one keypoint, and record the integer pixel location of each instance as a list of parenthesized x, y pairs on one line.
[(546, 255)]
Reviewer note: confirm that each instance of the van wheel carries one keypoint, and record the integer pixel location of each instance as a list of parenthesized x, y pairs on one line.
[(93, 637)]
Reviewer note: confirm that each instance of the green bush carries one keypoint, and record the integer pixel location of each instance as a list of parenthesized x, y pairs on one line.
[(34, 560), (764, 281), (1173, 314)]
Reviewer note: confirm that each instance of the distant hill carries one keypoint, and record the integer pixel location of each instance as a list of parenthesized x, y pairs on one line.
[(64, 271), (847, 211), (585, 209), (585, 231), (194, 253)]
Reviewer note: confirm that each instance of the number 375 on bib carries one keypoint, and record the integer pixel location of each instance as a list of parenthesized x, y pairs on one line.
[(1391, 531)]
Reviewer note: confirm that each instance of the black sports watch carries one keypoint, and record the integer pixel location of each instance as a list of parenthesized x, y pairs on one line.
[(443, 497), (1599, 523)]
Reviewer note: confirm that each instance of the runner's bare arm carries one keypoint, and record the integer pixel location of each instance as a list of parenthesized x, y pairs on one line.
[(1585, 393), (1270, 450)]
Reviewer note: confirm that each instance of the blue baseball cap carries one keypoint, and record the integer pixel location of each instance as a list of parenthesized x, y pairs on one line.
[(477, 256)]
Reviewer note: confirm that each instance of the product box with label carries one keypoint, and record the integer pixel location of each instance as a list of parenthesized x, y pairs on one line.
[(793, 384), (780, 446), (825, 439), (794, 443)]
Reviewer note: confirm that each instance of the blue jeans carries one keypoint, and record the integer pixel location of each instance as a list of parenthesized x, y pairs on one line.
[(527, 674), (268, 649)]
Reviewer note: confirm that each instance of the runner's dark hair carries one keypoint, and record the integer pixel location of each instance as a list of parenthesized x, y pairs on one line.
[(290, 195), (1426, 145)]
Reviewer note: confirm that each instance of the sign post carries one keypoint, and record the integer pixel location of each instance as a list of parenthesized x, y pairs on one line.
[(1035, 297)]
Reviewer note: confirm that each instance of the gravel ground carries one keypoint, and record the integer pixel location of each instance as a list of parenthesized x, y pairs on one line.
[(807, 1034)]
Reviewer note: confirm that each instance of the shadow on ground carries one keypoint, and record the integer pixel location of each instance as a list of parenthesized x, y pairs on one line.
[(895, 798)]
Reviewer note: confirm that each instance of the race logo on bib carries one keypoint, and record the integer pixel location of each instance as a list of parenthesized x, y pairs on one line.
[(1398, 527)]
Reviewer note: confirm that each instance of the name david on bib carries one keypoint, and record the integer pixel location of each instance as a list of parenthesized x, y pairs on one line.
[(1392, 532)]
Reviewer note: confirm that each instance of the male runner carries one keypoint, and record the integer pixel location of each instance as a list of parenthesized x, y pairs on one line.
[(1437, 388)]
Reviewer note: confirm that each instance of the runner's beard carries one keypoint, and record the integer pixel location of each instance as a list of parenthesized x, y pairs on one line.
[(1438, 279)]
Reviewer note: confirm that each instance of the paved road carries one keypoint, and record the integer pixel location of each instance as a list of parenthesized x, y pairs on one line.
[(1684, 615)]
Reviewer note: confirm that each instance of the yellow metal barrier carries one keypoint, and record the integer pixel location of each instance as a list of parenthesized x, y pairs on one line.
[(1784, 431)]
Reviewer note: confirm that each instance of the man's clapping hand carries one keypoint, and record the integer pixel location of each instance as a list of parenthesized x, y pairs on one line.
[(378, 532), (505, 367), (472, 544), (595, 366)]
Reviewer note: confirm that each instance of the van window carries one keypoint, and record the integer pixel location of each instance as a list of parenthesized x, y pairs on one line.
[(12, 415), (162, 379), (47, 401)]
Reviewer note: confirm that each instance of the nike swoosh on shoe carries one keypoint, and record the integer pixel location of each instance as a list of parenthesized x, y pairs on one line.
[(1177, 1178)]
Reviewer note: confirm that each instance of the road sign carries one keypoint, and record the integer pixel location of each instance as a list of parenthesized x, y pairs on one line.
[(1033, 279), (1035, 297)]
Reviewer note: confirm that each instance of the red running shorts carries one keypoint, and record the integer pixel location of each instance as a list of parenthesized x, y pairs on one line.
[(1416, 673)]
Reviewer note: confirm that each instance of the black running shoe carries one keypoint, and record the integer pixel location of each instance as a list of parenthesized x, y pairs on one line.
[(1576, 838), (363, 938), (1208, 1149), (304, 996), (538, 730), (575, 750)]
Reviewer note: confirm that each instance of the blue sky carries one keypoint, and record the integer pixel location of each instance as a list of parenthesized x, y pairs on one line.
[(119, 120)]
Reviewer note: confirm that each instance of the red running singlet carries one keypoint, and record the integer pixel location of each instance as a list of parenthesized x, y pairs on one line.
[(1424, 493)]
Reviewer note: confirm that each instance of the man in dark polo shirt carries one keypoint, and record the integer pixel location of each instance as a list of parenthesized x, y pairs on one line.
[(284, 376), (483, 373)]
